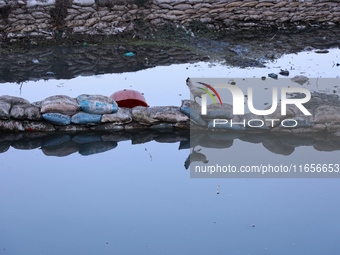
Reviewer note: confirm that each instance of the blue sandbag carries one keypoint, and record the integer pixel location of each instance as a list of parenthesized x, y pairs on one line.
[(57, 118), (192, 110), (83, 118), (97, 104)]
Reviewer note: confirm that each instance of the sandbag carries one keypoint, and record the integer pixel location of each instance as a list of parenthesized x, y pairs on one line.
[(83, 118), (217, 111), (59, 104), (13, 100), (193, 111), (156, 114), (38, 126), (4, 110), (141, 115), (97, 104), (11, 125), (57, 118), (25, 112), (122, 116), (170, 114)]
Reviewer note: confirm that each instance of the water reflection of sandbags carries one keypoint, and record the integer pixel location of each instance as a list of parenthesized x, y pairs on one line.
[(87, 138), (27, 144), (117, 137), (4, 146), (297, 141), (85, 144), (276, 146), (60, 150), (56, 139), (213, 139), (327, 145), (87, 149), (255, 138), (172, 137)]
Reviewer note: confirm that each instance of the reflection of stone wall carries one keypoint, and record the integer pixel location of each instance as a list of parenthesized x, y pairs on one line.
[(39, 17)]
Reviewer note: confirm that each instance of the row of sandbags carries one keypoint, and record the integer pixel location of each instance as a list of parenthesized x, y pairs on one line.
[(63, 110), (20, 108)]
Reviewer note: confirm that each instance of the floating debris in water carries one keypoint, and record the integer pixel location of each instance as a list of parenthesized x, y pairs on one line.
[(273, 75), (284, 72), (129, 54), (263, 78), (218, 189), (321, 51), (50, 73), (35, 61), (300, 79), (149, 154)]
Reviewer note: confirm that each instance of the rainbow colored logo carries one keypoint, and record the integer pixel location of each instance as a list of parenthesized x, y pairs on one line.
[(209, 93)]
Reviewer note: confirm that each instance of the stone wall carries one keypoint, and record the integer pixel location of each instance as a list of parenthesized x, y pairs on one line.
[(57, 18)]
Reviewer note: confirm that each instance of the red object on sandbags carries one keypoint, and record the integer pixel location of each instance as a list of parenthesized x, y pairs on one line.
[(129, 98)]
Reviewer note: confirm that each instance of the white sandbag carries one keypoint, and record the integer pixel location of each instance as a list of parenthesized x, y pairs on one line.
[(25, 112), (4, 110), (13, 100), (59, 104), (122, 116)]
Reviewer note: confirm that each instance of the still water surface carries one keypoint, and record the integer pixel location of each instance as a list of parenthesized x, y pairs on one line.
[(140, 199)]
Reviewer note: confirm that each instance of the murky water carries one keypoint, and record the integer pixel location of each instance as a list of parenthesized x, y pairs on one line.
[(138, 198)]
